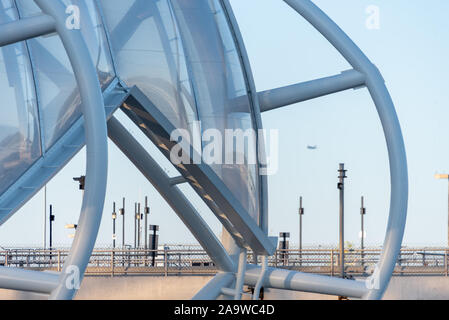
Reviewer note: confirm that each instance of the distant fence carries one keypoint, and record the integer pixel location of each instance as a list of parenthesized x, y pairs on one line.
[(189, 260)]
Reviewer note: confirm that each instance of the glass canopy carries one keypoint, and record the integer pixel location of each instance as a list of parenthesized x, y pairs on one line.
[(181, 54)]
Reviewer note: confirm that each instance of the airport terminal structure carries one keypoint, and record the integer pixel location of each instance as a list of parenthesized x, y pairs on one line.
[(68, 65)]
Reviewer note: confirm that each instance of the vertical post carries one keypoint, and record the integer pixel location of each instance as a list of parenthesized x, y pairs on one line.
[(341, 187), (59, 261), (448, 214), (147, 212), (284, 245), (445, 263), (139, 228), (332, 262), (154, 243), (135, 225), (114, 217), (165, 261), (44, 227), (122, 213), (112, 263), (301, 213), (52, 218), (362, 236)]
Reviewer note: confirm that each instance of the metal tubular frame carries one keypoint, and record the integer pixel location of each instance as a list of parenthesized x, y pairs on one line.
[(390, 123), (92, 109), (96, 154), (174, 197), (364, 73), (277, 98)]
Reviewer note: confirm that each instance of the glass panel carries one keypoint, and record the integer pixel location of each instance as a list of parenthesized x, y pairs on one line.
[(19, 124), (149, 54), (59, 98), (167, 47), (220, 90)]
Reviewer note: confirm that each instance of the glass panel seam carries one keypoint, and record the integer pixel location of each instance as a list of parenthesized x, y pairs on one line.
[(252, 106), (107, 35), (36, 91)]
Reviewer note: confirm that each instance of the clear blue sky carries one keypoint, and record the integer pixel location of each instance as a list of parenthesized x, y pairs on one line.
[(410, 49)]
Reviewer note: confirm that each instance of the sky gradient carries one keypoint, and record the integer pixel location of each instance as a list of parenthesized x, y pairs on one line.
[(411, 51)]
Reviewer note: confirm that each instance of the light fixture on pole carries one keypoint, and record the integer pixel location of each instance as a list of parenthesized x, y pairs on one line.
[(362, 233), (301, 213), (445, 177), (114, 217), (71, 226), (122, 213), (147, 212), (341, 186)]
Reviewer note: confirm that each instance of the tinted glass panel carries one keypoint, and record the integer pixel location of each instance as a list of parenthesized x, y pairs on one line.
[(149, 54), (19, 125), (220, 91), (59, 98)]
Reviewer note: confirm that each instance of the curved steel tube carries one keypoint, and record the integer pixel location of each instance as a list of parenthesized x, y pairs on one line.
[(392, 131), (96, 158)]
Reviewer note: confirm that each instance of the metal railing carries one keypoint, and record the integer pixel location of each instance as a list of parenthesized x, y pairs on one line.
[(184, 261)]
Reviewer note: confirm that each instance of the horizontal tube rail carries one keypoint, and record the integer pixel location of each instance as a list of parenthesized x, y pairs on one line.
[(280, 97), (26, 28), (27, 280), (291, 280)]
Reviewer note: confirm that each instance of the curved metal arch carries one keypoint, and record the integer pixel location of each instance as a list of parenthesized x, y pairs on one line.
[(256, 108), (52, 20), (96, 155), (392, 131)]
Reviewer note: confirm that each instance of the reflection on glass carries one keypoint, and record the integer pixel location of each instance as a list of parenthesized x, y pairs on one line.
[(220, 89), (59, 98), (19, 129), (149, 54)]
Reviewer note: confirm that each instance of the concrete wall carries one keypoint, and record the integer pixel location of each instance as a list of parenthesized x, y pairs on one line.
[(178, 288)]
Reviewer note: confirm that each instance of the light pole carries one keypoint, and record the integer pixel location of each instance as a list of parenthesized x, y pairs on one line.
[(44, 231), (52, 219), (139, 228), (135, 225), (341, 187), (114, 217), (362, 236), (301, 213), (147, 212), (122, 213), (445, 176)]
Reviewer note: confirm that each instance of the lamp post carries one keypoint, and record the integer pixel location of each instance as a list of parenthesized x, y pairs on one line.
[(52, 219), (147, 212), (114, 217), (44, 231), (341, 187), (446, 177), (135, 225), (122, 213), (139, 228), (362, 236), (301, 213)]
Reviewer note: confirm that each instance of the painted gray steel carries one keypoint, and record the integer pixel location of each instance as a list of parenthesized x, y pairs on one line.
[(195, 69)]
